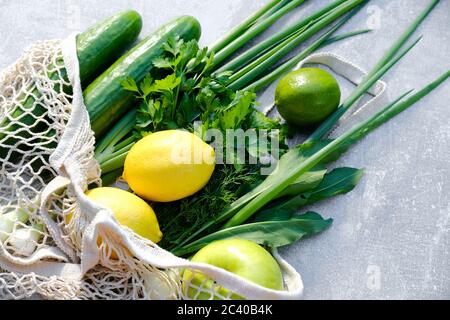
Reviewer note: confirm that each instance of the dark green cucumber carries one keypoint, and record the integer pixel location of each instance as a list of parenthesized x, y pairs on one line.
[(97, 48), (101, 45), (105, 98)]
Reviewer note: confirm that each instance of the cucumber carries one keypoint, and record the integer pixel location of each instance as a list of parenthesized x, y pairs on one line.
[(97, 48), (102, 44), (105, 99)]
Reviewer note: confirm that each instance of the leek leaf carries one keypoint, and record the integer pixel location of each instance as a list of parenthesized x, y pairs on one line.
[(338, 181), (275, 233)]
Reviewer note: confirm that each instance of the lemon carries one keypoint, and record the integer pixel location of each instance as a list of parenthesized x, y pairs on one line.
[(129, 210), (307, 96), (169, 165)]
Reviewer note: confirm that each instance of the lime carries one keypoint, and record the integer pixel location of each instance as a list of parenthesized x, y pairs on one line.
[(307, 96)]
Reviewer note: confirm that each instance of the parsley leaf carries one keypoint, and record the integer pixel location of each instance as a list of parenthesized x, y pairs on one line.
[(185, 91)]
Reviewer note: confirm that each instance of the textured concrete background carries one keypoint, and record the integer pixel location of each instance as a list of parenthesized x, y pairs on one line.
[(391, 236)]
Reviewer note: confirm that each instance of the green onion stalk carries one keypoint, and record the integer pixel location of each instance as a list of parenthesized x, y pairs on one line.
[(245, 207), (272, 41), (113, 148), (317, 21), (252, 71), (266, 11), (252, 32)]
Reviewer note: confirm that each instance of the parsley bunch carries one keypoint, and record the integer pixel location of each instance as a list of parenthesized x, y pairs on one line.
[(182, 90)]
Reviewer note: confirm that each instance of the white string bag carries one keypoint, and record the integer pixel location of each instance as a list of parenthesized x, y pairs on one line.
[(47, 165), (66, 260)]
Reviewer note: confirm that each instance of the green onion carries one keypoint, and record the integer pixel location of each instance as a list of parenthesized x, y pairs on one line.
[(253, 32), (344, 36), (390, 112), (250, 67), (272, 11), (360, 90), (288, 65), (120, 130), (263, 46), (246, 24), (116, 160), (267, 62), (113, 148)]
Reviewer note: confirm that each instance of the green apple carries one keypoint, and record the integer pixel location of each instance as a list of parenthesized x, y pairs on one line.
[(241, 257)]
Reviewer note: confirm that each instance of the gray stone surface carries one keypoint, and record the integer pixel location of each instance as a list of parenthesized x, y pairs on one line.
[(391, 236)]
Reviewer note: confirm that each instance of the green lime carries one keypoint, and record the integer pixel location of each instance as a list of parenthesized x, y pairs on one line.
[(307, 96)]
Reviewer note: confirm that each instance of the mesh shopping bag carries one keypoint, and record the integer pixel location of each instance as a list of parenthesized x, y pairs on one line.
[(47, 163)]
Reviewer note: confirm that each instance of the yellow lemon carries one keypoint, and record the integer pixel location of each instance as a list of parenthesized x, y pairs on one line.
[(169, 165), (129, 210)]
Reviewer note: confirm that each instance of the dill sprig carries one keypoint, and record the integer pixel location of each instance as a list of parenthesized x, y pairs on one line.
[(180, 219)]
